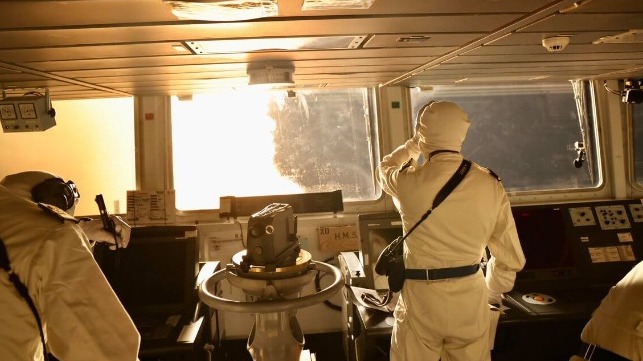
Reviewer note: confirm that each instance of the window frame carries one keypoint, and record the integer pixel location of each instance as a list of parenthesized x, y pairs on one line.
[(637, 187), (375, 127), (597, 105)]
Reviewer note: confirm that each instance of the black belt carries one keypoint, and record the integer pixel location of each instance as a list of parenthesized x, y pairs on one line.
[(596, 353), (440, 273)]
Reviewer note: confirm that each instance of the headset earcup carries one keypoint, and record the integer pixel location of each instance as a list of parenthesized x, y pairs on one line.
[(51, 191)]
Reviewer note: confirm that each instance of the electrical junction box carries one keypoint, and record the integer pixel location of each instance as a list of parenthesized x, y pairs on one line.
[(28, 113), (634, 96)]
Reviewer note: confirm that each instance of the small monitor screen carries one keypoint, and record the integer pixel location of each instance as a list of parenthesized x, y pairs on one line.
[(544, 241), (380, 238), (155, 273), (376, 231)]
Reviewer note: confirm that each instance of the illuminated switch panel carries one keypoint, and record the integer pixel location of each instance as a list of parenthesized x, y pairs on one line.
[(612, 217), (637, 212), (582, 216)]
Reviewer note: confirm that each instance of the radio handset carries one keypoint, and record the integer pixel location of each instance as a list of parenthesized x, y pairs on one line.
[(108, 223)]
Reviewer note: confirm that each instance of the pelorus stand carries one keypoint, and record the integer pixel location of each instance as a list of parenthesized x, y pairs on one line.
[(276, 297)]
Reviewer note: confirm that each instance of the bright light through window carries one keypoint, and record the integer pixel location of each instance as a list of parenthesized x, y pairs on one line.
[(92, 144), (252, 143)]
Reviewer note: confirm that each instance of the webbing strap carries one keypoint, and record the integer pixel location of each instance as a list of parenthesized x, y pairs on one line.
[(440, 273), (24, 292), (448, 187)]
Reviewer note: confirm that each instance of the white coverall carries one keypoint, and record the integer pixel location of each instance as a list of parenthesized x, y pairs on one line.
[(448, 319), (82, 317), (617, 324)]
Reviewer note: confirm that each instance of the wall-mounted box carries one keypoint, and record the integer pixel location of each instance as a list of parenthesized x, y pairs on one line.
[(28, 113)]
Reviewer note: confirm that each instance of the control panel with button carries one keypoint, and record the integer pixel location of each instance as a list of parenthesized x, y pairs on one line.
[(637, 212), (612, 217), (582, 216), (538, 298)]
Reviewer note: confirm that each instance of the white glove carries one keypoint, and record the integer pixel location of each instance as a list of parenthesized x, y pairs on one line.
[(95, 232), (495, 298), (413, 146)]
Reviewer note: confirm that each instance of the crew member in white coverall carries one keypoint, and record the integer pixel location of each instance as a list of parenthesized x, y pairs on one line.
[(448, 319), (615, 331), (81, 316)]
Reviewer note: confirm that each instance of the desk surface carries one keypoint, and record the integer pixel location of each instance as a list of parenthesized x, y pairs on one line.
[(377, 322)]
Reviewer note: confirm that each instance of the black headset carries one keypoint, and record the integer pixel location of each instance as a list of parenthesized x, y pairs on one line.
[(56, 192)]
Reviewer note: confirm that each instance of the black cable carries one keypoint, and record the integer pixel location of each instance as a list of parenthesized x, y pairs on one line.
[(611, 90), (241, 232), (318, 288)]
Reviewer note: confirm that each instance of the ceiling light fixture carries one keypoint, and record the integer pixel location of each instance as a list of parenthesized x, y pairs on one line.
[(271, 76), (223, 10), (628, 37), (275, 44), (336, 4)]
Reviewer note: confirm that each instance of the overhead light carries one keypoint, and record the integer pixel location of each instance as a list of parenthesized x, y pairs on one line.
[(336, 4), (413, 39), (574, 6), (179, 48), (502, 79), (271, 76), (276, 44), (629, 37), (223, 10)]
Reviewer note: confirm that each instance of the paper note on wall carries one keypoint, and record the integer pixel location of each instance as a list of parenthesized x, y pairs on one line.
[(339, 239), (611, 254), (221, 241), (150, 207)]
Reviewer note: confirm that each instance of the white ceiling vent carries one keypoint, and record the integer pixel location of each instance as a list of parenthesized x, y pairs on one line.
[(271, 76), (223, 10)]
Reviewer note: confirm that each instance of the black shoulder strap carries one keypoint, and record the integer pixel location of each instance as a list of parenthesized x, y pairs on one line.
[(450, 185), (444, 192), (23, 291)]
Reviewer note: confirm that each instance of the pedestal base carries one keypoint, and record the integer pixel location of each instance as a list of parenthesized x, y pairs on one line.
[(276, 336)]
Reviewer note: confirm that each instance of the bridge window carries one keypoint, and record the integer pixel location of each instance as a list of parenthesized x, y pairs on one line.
[(529, 135), (253, 143), (637, 126)]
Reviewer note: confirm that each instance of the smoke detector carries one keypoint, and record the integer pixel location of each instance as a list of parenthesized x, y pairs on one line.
[(556, 43)]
